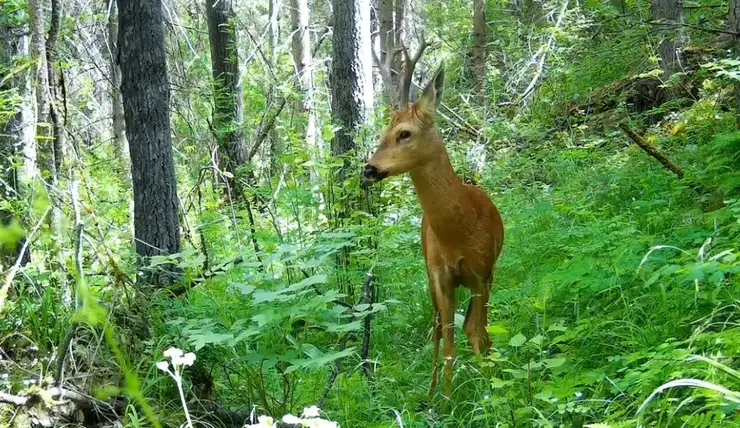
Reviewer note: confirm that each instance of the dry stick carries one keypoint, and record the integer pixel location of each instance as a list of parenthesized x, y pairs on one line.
[(79, 226), (366, 293), (56, 393), (543, 56), (265, 130), (19, 260), (334, 373), (367, 296), (651, 150)]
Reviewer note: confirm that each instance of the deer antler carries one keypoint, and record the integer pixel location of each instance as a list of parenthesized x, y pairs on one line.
[(409, 66), (398, 97)]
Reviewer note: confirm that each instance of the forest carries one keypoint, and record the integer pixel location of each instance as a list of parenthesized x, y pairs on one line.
[(370, 213)]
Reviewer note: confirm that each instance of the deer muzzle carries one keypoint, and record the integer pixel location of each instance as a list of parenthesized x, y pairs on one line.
[(372, 174)]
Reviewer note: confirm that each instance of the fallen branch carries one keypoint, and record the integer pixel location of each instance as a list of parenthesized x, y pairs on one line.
[(651, 150), (80, 400)]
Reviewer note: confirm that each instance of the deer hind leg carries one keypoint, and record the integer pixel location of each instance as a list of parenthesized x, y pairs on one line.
[(477, 317)]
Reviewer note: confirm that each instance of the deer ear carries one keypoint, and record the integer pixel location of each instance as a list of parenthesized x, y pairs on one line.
[(432, 95)]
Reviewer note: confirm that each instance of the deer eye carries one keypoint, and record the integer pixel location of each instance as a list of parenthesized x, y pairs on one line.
[(404, 135)]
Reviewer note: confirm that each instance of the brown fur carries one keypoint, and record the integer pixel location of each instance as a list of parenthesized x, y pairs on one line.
[(462, 231)]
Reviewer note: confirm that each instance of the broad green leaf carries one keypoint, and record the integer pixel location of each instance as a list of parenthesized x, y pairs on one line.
[(496, 329), (554, 362), (518, 340)]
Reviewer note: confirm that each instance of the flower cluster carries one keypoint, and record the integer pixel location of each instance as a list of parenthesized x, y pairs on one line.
[(179, 360), (309, 419)]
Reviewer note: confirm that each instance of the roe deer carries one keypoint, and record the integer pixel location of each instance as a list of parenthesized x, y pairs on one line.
[(462, 232)]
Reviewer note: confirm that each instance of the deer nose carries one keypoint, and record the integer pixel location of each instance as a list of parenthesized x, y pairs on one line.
[(370, 172)]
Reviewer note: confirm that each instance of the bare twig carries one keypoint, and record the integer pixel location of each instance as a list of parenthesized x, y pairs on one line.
[(14, 269), (367, 297), (269, 123), (543, 53)]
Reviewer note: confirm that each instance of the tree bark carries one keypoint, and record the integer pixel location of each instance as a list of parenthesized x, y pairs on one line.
[(351, 81), (479, 54), (732, 41), (668, 22), (16, 133), (146, 95), (38, 55), (273, 28), (57, 147), (388, 41), (732, 25), (303, 60), (227, 91), (399, 21), (119, 126)]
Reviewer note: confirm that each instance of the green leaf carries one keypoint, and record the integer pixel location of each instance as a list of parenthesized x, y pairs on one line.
[(518, 340), (545, 395), (554, 362), (497, 383), (496, 329)]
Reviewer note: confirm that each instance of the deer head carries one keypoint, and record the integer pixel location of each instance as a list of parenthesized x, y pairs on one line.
[(411, 140)]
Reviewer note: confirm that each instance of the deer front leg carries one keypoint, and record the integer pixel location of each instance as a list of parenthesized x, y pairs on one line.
[(442, 287), (477, 318), (436, 336)]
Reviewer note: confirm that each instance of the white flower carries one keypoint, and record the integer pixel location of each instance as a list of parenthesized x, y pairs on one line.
[(262, 422), (164, 366), (188, 359), (311, 412), (173, 353), (265, 421), (290, 419)]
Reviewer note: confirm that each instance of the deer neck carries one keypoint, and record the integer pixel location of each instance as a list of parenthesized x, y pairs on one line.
[(440, 193)]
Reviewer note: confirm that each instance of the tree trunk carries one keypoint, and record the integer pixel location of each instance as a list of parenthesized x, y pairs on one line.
[(400, 21), (303, 60), (668, 22), (41, 72), (351, 72), (16, 133), (479, 49), (732, 41), (146, 96), (227, 91), (57, 147), (273, 28), (732, 25), (119, 126), (388, 40)]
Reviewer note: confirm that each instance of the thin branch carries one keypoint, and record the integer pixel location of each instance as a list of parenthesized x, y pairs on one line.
[(543, 53), (265, 130), (19, 260)]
